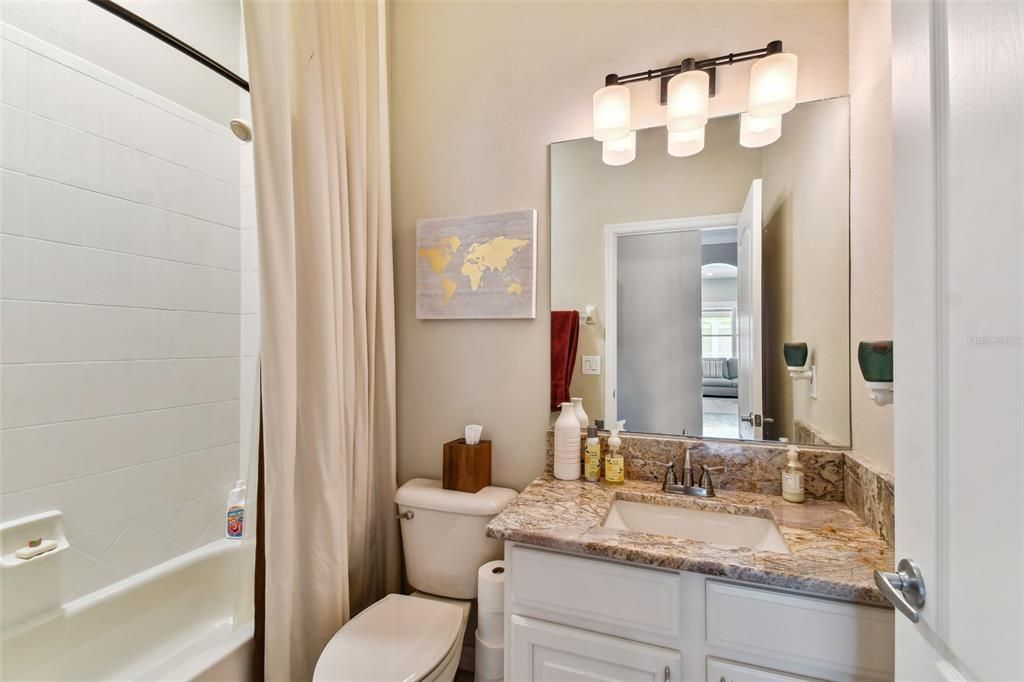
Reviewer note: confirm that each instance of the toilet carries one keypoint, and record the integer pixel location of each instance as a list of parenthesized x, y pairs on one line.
[(418, 637)]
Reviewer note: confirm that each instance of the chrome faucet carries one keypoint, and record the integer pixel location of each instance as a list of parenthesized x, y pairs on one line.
[(705, 487)]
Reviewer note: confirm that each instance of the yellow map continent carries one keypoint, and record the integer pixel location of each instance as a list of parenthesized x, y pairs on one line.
[(490, 255), (440, 256), (449, 288)]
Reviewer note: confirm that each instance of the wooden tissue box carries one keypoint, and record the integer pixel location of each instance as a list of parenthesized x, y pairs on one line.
[(467, 467)]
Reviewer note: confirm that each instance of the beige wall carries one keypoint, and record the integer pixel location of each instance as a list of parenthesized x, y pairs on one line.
[(870, 214), (806, 259), (587, 195), (478, 91)]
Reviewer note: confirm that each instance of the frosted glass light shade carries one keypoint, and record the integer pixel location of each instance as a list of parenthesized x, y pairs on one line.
[(772, 85), (686, 143), (611, 113), (759, 132), (688, 101), (619, 152)]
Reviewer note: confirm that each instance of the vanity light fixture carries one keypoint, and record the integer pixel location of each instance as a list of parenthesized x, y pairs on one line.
[(773, 85), (756, 131), (686, 143), (686, 89), (619, 152), (687, 99), (611, 112)]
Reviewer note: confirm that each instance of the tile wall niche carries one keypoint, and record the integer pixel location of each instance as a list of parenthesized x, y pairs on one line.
[(129, 311)]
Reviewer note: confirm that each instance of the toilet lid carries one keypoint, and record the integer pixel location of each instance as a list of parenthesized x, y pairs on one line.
[(398, 638)]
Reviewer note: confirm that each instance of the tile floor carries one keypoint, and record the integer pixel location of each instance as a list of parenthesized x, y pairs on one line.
[(721, 417)]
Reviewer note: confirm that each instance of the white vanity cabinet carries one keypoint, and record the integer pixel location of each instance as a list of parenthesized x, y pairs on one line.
[(570, 617), (546, 652)]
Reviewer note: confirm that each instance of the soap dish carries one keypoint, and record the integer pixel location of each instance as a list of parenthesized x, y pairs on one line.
[(16, 534)]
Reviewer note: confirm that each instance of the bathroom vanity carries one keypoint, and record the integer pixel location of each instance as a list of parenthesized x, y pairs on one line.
[(626, 582)]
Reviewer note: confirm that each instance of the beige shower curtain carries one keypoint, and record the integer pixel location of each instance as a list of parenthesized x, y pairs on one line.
[(319, 100)]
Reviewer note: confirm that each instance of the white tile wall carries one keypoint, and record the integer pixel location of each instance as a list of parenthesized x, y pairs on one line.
[(129, 320)]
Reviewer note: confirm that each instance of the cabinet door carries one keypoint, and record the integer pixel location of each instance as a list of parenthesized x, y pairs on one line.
[(545, 652), (727, 671)]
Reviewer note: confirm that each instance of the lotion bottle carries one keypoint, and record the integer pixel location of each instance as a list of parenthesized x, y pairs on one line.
[(614, 466), (592, 456), (793, 476)]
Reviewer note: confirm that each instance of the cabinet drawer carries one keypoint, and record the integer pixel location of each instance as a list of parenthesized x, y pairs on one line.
[(808, 634), (636, 603), (545, 652), (729, 671)]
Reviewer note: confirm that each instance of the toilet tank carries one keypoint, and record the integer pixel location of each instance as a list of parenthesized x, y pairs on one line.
[(444, 540)]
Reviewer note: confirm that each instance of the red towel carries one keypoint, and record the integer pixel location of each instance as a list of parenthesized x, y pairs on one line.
[(565, 336)]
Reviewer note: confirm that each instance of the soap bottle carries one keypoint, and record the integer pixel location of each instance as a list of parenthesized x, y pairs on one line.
[(614, 465), (236, 511), (592, 456), (792, 476)]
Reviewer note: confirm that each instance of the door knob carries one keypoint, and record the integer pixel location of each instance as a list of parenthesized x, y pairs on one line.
[(749, 419), (904, 589)]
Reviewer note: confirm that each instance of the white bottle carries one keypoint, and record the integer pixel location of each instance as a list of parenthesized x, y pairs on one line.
[(581, 415), (235, 527), (793, 476), (568, 444)]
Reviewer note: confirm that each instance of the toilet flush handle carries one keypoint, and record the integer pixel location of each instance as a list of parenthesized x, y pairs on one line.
[(408, 515)]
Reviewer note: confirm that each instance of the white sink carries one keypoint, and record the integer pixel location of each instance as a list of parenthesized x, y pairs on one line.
[(695, 524)]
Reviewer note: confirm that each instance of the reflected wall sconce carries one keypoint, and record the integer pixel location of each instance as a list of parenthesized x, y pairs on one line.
[(798, 362), (686, 89), (588, 315), (875, 360)]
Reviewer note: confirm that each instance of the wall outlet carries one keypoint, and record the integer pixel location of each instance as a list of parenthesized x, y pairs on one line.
[(591, 364)]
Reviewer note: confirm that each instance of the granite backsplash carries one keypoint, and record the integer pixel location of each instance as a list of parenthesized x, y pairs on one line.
[(756, 467)]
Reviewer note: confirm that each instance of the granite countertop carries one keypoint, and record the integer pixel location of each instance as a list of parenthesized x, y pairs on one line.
[(833, 552)]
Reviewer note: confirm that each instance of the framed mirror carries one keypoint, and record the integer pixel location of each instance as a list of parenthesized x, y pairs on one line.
[(712, 290)]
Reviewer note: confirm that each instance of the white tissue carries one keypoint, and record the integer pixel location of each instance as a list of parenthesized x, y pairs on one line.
[(473, 432)]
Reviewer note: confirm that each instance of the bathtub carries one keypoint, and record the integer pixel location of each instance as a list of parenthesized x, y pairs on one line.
[(175, 621)]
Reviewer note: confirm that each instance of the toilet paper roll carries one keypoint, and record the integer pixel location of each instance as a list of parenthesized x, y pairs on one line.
[(490, 660), (491, 626), (490, 582)]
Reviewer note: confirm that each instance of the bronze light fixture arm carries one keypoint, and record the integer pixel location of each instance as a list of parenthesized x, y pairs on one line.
[(710, 65)]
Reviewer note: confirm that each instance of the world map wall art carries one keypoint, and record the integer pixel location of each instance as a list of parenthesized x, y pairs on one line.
[(476, 267)]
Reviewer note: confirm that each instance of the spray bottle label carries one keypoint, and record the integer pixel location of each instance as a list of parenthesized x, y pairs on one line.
[(236, 522)]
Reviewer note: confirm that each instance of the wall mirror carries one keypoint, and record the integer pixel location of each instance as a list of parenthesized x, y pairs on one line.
[(713, 289)]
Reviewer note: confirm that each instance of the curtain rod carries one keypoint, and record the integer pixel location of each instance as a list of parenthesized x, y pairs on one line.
[(179, 45)]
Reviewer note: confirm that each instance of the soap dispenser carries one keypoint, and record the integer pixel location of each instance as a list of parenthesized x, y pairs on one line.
[(792, 475), (615, 464)]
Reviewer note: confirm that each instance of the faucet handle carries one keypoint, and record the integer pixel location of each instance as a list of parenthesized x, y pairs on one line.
[(705, 479), (670, 472)]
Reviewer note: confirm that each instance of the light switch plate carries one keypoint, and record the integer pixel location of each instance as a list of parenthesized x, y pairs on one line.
[(591, 364)]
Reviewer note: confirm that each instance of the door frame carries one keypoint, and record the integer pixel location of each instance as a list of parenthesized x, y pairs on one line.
[(612, 232)]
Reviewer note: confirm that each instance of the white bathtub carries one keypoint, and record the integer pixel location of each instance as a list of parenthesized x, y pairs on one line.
[(175, 621)]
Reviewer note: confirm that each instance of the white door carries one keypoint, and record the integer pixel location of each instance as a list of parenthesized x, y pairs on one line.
[(544, 652), (748, 295), (958, 224)]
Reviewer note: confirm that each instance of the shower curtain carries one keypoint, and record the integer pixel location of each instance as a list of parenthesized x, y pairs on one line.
[(319, 100)]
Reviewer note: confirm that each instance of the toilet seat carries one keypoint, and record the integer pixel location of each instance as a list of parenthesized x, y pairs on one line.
[(398, 638)]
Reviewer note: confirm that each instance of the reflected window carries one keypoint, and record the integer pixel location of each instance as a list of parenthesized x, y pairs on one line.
[(718, 332)]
